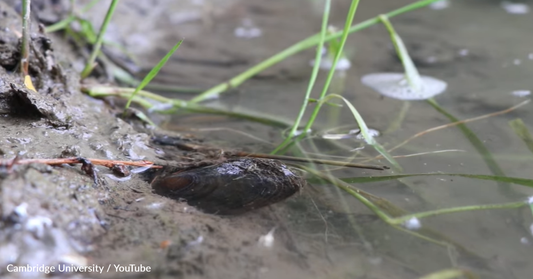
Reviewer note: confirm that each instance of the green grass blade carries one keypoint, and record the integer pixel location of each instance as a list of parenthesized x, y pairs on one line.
[(396, 124), (155, 70), (67, 21), (450, 274), (510, 205), (360, 195), (312, 80), (146, 99), (522, 132), (25, 47), (478, 145), (87, 31), (344, 37), (369, 179), (96, 48), (364, 131), (300, 46), (411, 73)]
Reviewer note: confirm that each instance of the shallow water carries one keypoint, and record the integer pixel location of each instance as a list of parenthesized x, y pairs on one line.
[(483, 53)]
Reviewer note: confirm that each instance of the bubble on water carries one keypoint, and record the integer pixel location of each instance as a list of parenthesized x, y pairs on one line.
[(371, 132), (439, 5), (413, 224), (326, 63), (247, 30), (161, 107), (515, 8), (299, 132), (463, 52), (395, 85), (521, 93), (354, 133)]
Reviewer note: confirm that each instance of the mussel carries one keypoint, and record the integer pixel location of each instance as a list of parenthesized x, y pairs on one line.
[(232, 187)]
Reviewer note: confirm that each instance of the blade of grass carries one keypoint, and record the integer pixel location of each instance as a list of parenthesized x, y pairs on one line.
[(25, 57), (96, 48), (312, 80), (450, 273), (155, 70), (397, 122), (143, 98), (479, 146), (522, 132), (329, 78), (300, 46), (25, 61), (366, 134), (411, 73), (384, 209), (344, 37), (514, 180), (458, 123), (67, 21), (510, 205)]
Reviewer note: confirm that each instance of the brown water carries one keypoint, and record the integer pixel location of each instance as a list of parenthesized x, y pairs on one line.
[(480, 50)]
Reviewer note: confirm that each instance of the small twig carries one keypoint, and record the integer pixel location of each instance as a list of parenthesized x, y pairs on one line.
[(99, 162), (87, 164), (25, 61)]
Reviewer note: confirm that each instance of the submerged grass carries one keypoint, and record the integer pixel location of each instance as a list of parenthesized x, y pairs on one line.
[(331, 73), (385, 210), (411, 73), (522, 132), (298, 47), (479, 146), (312, 80)]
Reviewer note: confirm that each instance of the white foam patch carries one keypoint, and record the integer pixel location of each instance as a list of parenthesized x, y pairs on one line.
[(515, 8), (394, 85), (440, 5), (326, 63)]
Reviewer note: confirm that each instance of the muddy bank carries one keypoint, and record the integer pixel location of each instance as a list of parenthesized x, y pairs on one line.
[(59, 217)]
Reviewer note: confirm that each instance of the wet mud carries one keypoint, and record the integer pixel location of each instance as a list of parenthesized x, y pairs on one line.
[(59, 216)]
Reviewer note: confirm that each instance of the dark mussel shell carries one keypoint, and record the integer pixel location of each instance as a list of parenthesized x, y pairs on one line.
[(232, 187)]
